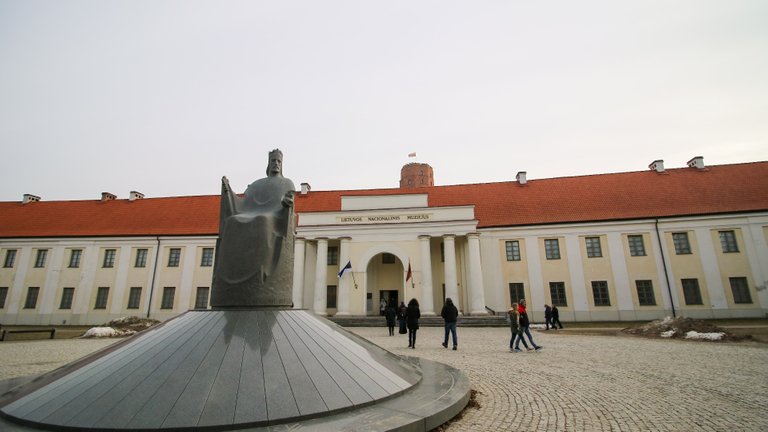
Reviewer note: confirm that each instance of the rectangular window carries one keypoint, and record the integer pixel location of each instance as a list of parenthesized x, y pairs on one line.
[(516, 292), (31, 301), (141, 258), (67, 294), (3, 296), (552, 249), (168, 294), (102, 295), (682, 245), (40, 259), (740, 290), (557, 292), (174, 256), (333, 255), (387, 258), (207, 259), (600, 293), (691, 292), (10, 258), (330, 301), (109, 258), (513, 250), (74, 258), (636, 245), (593, 247), (134, 298), (201, 298), (728, 242), (645, 295)]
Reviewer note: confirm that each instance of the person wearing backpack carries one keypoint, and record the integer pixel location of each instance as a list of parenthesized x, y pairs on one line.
[(513, 318), (524, 324)]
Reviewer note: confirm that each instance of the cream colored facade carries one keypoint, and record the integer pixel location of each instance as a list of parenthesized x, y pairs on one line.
[(447, 253)]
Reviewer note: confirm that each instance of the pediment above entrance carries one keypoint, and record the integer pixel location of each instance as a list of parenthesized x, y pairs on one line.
[(391, 216)]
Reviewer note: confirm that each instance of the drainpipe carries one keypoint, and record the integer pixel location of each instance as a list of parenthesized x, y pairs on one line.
[(666, 273), (154, 273)]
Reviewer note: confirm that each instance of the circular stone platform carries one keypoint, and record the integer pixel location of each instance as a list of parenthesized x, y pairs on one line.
[(240, 369)]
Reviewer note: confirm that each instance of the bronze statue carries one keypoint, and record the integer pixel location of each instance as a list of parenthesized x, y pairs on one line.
[(254, 251)]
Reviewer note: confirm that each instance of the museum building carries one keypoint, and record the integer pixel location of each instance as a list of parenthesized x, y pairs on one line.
[(640, 245)]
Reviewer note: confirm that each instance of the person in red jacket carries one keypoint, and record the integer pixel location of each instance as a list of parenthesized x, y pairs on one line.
[(525, 323)]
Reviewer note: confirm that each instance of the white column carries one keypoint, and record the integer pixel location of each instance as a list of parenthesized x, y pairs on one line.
[(476, 290), (321, 274), (123, 265), (428, 298), (342, 299), (185, 288), (16, 293), (49, 289), (451, 285), (298, 273)]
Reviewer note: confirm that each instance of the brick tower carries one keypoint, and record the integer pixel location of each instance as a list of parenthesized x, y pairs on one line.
[(415, 175)]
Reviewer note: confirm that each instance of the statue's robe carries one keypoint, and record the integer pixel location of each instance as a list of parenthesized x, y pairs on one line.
[(254, 251)]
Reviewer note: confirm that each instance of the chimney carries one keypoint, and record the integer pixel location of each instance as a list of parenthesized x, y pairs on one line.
[(106, 196), (133, 196), (305, 188), (28, 198), (521, 177), (657, 165), (697, 162)]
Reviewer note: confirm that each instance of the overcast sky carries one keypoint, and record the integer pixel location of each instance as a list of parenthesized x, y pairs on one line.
[(165, 97)]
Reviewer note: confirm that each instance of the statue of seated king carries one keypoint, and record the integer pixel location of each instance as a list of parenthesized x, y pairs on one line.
[(254, 250)]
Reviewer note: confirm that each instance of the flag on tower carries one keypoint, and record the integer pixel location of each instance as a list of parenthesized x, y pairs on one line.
[(347, 268)]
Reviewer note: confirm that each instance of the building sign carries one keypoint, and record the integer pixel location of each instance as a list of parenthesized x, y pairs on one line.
[(390, 218)]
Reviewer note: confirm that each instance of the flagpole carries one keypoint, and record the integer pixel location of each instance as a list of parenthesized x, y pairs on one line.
[(353, 278)]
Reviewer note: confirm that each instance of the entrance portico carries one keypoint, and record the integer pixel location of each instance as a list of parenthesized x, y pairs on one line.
[(382, 237)]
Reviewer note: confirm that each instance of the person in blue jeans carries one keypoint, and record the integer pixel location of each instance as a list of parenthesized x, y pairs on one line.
[(524, 324), (514, 327), (450, 314)]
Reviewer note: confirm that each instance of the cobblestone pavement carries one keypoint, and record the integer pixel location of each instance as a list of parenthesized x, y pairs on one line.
[(576, 383), (600, 383)]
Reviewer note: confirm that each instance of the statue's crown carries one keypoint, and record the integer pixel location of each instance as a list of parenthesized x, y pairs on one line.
[(276, 152)]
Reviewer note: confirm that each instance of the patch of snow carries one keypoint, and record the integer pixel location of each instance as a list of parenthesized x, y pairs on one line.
[(708, 336), (668, 333), (101, 332), (667, 321), (538, 326)]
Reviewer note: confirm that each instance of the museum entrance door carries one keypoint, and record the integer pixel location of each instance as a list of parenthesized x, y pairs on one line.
[(385, 282)]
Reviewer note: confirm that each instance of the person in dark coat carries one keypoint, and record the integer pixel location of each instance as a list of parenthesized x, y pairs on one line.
[(556, 317), (524, 323), (390, 314), (412, 315), (547, 316), (450, 314)]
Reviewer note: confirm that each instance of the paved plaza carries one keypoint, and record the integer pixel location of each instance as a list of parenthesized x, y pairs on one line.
[(576, 383)]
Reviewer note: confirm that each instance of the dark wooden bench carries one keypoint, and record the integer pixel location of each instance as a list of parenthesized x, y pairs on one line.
[(52, 331)]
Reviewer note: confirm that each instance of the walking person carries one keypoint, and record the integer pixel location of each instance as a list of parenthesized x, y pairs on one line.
[(555, 317), (390, 314), (412, 316), (382, 306), (547, 316), (450, 314), (524, 325), (513, 316), (401, 318)]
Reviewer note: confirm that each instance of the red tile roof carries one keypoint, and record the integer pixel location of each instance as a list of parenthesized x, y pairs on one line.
[(622, 196)]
